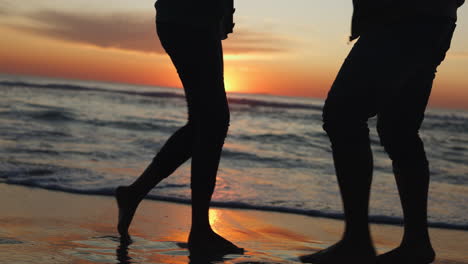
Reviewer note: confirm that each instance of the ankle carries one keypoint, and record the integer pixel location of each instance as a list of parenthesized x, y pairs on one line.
[(424, 248), (201, 229), (360, 239), (129, 195), (200, 223), (419, 241), (363, 245)]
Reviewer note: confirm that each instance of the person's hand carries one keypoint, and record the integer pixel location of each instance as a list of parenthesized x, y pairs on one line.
[(227, 24)]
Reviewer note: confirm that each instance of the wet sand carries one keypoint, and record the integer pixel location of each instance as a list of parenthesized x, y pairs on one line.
[(40, 226)]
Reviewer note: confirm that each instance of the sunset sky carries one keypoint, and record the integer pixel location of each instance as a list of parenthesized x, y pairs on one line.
[(292, 48)]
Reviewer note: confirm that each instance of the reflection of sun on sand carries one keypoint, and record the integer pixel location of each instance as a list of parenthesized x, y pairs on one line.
[(38, 226)]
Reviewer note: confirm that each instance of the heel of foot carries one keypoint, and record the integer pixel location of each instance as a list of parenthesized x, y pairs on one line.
[(342, 252), (212, 243), (406, 255), (126, 211)]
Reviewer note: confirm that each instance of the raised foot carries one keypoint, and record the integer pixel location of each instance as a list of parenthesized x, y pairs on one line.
[(127, 207), (408, 255), (210, 243), (342, 252)]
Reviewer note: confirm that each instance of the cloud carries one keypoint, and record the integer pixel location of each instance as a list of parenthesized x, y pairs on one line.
[(248, 41), (133, 32), (9, 8), (5, 7), (126, 31)]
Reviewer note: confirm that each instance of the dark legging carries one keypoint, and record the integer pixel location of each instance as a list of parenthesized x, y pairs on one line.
[(197, 55)]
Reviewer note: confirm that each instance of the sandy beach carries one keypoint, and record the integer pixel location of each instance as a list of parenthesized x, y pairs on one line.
[(40, 226)]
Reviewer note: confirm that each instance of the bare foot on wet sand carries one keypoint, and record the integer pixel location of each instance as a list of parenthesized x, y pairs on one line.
[(408, 255), (127, 207), (343, 252), (208, 242)]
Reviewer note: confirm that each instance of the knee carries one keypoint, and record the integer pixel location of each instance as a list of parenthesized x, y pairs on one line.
[(402, 144), (343, 125), (221, 122), (221, 117), (394, 138), (213, 125), (332, 119)]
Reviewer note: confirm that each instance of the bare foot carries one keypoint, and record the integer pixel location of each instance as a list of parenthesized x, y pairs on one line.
[(209, 242), (408, 255), (342, 252), (127, 207)]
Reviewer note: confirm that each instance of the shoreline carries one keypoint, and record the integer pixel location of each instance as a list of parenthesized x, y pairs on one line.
[(43, 226), (375, 219)]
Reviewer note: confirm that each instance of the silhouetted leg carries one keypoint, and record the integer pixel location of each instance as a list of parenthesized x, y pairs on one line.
[(398, 127), (206, 156), (353, 164), (197, 55), (210, 113), (349, 104), (179, 146), (174, 153), (389, 73), (412, 176)]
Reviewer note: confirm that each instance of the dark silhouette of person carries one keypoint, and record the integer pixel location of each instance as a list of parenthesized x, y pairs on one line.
[(389, 74), (191, 33)]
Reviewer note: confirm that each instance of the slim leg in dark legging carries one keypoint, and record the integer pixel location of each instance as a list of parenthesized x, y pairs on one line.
[(198, 58), (197, 54)]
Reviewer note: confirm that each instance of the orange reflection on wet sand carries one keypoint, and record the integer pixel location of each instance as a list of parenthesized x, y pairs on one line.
[(39, 226)]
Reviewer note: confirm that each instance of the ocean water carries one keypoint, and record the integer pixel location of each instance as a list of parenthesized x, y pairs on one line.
[(89, 137)]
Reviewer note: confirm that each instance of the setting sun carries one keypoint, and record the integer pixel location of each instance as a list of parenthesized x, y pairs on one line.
[(231, 82), (136, 132)]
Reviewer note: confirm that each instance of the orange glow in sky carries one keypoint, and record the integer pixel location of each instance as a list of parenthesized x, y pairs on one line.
[(231, 82), (277, 48)]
